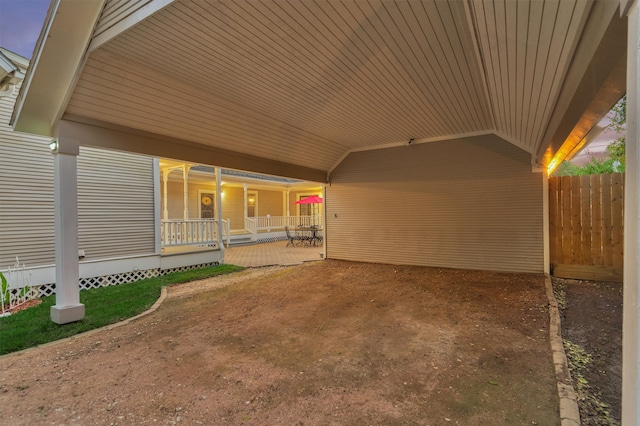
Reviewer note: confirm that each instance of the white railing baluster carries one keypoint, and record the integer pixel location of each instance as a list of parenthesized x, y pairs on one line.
[(205, 231)]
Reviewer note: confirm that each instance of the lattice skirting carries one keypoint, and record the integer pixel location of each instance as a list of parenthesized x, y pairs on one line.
[(272, 239), (115, 279)]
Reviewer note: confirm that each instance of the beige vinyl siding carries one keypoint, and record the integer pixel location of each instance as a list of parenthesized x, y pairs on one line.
[(233, 206), (472, 203), (26, 195), (115, 200), (270, 203), (175, 200), (115, 204)]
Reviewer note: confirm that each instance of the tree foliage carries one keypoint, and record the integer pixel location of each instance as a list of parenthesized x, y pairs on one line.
[(614, 161)]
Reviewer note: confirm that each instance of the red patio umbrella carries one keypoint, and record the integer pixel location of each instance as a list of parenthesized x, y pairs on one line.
[(314, 199)]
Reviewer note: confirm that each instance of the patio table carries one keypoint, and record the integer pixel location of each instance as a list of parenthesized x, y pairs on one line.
[(310, 234)]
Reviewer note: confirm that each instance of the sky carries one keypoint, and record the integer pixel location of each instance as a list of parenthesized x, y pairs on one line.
[(20, 24)]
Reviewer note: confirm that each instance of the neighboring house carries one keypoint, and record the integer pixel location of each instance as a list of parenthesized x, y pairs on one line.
[(122, 213)]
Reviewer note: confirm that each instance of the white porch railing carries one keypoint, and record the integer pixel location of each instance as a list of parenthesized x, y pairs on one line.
[(278, 223), (250, 225), (193, 232), (204, 232)]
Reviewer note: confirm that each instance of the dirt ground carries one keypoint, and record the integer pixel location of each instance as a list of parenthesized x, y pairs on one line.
[(592, 319), (327, 342)]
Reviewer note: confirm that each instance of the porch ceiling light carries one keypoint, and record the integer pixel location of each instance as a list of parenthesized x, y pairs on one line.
[(53, 146)]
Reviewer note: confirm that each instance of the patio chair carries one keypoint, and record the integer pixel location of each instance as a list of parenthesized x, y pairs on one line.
[(292, 238)]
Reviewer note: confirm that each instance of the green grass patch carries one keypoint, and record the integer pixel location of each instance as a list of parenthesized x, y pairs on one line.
[(103, 306)]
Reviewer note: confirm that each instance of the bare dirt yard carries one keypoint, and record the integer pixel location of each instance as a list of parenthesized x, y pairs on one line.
[(329, 342), (592, 330)]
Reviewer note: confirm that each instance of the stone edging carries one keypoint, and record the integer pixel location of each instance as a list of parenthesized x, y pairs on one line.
[(569, 413), (156, 305)]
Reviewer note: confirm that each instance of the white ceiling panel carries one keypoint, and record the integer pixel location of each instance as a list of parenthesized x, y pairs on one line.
[(307, 82), (526, 48)]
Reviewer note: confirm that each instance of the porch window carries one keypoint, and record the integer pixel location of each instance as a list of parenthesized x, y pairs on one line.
[(252, 204)]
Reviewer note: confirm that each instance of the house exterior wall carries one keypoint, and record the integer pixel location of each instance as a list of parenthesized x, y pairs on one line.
[(472, 203), (26, 194), (115, 200), (175, 199), (270, 202), (233, 206), (116, 214)]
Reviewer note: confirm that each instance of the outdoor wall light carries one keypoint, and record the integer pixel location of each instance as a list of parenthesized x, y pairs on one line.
[(53, 146)]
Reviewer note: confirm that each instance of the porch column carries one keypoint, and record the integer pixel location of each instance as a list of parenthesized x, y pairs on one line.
[(68, 307), (219, 213), (185, 176), (631, 312), (246, 208), (165, 179), (157, 214), (288, 202), (546, 249)]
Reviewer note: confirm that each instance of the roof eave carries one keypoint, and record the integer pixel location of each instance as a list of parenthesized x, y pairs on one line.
[(58, 58), (596, 81)]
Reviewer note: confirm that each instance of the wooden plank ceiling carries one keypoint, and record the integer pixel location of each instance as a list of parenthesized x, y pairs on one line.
[(306, 82)]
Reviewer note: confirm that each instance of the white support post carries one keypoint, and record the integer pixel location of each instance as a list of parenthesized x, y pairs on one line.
[(165, 190), (68, 307), (185, 175), (324, 221), (288, 202), (219, 212), (246, 208), (546, 250), (156, 206), (631, 308)]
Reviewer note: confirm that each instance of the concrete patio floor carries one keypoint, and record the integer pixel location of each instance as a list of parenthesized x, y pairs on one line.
[(266, 254)]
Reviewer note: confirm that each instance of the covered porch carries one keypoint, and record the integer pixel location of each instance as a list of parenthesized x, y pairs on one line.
[(251, 207)]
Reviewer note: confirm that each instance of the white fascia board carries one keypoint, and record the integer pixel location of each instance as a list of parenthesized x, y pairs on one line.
[(56, 64)]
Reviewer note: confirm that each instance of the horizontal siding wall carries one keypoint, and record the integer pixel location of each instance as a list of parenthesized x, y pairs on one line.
[(115, 200), (26, 195), (175, 200), (472, 203), (115, 204), (233, 206), (270, 203)]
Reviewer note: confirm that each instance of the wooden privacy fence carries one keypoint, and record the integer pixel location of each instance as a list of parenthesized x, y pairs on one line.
[(586, 226)]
